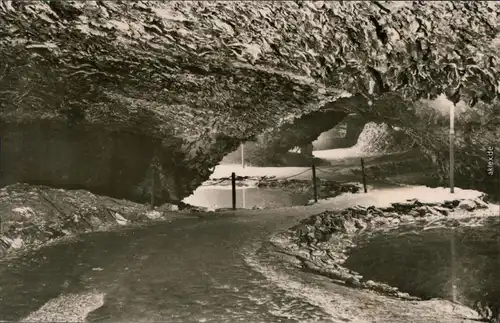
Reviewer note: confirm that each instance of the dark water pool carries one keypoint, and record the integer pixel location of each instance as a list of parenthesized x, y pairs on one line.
[(421, 263), (214, 197)]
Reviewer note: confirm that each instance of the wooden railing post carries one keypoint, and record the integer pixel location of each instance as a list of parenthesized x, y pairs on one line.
[(153, 188), (233, 186), (364, 175), (315, 187)]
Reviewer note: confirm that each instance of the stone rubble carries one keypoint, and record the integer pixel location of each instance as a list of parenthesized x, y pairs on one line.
[(34, 215), (326, 188)]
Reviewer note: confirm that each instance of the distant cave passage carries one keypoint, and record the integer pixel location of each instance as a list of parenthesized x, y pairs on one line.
[(344, 135)]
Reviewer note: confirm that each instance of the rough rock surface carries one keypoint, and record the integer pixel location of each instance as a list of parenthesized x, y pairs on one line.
[(321, 242), (34, 215), (381, 138), (94, 92)]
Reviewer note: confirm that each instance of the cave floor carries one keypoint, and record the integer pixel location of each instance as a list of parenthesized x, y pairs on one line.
[(202, 269)]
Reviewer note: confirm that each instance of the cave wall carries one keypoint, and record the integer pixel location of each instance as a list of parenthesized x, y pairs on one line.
[(111, 163), (108, 163), (202, 76)]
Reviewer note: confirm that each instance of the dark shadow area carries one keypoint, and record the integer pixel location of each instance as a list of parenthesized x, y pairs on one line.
[(86, 157), (420, 263)]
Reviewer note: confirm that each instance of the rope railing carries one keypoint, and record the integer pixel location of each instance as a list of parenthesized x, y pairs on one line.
[(369, 177), (324, 170), (307, 170), (220, 180), (313, 180), (224, 179)]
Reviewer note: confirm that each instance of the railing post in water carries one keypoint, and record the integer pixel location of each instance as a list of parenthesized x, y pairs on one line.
[(452, 148), (364, 175), (315, 188), (453, 267), (233, 185)]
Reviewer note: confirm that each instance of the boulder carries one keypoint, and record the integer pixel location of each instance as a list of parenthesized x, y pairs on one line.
[(480, 204), (153, 215), (414, 213), (380, 222), (451, 204), (360, 224), (24, 212), (441, 210), (353, 282), (422, 210), (403, 207), (120, 219), (468, 205), (407, 219), (395, 221), (431, 211)]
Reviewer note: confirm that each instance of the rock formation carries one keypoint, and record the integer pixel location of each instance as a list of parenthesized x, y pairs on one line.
[(35, 215), (97, 94)]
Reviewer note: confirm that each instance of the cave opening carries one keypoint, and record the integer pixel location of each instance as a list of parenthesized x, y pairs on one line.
[(343, 135)]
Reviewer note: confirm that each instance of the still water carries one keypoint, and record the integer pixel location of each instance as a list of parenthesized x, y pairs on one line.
[(428, 263), (248, 197)]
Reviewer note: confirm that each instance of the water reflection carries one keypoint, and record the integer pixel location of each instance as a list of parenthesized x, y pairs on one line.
[(246, 197), (421, 262)]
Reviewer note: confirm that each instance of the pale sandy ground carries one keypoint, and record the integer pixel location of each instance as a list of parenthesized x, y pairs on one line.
[(67, 308)]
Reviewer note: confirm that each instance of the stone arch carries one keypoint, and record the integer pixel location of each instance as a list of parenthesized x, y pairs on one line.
[(203, 79)]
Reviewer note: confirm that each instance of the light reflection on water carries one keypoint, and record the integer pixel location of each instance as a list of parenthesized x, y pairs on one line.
[(248, 197)]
